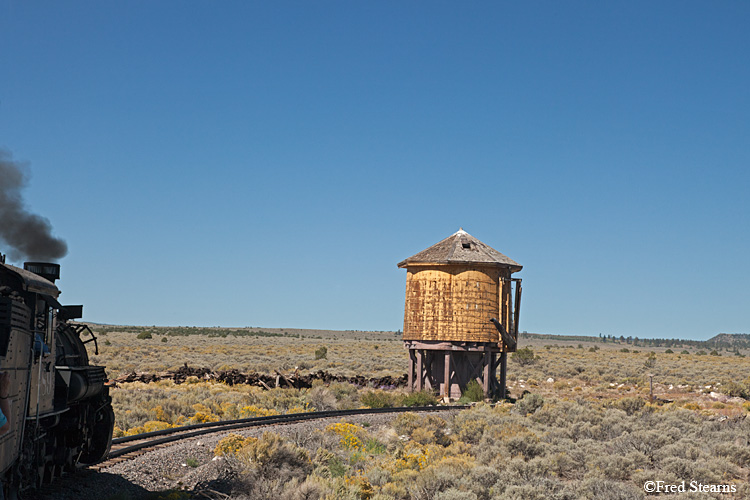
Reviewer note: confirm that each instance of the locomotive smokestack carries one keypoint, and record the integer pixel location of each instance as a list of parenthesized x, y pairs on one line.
[(29, 235)]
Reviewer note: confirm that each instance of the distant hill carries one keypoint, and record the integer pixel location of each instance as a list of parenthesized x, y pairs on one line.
[(561, 338), (730, 340)]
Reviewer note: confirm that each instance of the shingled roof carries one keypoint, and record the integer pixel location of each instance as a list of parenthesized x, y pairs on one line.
[(461, 248)]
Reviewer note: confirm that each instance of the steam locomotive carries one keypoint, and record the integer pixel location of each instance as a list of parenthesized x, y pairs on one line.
[(60, 410)]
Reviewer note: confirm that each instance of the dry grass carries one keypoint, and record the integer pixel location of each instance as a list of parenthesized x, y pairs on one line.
[(559, 449), (608, 372), (373, 354), (591, 370), (584, 368), (586, 430)]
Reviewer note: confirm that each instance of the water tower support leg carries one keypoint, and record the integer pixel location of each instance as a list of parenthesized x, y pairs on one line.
[(420, 375), (486, 374), (447, 375), (503, 373), (411, 370)]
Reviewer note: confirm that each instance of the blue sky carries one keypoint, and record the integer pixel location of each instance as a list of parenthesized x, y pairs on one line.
[(269, 163)]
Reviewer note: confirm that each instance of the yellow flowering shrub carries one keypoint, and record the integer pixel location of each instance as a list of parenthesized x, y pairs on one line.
[(230, 445), (259, 450), (351, 435), (203, 414), (414, 457), (161, 415), (150, 426), (254, 411), (300, 409), (363, 488)]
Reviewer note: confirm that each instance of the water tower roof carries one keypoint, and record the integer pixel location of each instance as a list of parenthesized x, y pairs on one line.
[(461, 248)]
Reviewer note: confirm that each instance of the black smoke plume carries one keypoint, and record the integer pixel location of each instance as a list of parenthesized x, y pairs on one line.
[(28, 235)]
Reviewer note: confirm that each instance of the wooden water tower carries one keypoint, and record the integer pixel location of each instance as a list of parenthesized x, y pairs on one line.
[(461, 316)]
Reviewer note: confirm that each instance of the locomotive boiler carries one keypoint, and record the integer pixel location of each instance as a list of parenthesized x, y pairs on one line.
[(60, 410)]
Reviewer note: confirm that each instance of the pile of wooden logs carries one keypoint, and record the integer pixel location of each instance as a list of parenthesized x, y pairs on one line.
[(266, 381)]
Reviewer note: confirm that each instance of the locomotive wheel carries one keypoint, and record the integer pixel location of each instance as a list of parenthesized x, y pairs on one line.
[(101, 437), (60, 459), (28, 471)]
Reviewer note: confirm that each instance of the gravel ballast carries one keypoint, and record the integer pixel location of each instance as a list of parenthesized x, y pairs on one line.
[(167, 467)]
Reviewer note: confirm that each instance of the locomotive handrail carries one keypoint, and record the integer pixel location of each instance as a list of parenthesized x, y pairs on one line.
[(79, 328)]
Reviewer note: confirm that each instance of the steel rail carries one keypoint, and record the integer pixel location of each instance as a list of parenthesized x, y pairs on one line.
[(189, 431)]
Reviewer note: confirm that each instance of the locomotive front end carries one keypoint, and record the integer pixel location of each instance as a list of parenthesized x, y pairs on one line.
[(60, 409)]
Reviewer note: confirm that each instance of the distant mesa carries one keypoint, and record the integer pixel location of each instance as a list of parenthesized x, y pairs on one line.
[(731, 340)]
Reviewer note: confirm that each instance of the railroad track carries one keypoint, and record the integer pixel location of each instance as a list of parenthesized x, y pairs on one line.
[(128, 447)]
